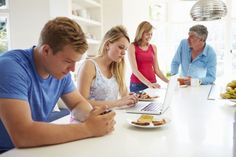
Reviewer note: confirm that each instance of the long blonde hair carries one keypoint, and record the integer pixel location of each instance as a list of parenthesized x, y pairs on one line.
[(117, 69), (143, 27)]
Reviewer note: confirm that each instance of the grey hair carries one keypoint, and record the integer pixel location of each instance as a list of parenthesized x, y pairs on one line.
[(200, 30)]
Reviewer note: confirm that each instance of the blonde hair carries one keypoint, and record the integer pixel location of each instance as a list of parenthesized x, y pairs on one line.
[(143, 27), (62, 31), (117, 69)]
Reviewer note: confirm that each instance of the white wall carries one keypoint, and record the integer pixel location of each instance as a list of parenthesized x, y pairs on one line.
[(27, 18), (112, 14), (127, 12), (134, 11)]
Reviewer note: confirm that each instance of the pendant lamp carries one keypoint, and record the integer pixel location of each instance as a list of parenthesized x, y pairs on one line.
[(207, 10)]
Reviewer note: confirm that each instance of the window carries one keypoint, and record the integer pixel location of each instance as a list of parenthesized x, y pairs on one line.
[(233, 51), (4, 23), (233, 6), (3, 4), (3, 34), (169, 33)]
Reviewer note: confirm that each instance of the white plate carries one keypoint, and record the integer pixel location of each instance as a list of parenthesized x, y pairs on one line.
[(233, 100), (183, 86), (150, 126), (228, 102)]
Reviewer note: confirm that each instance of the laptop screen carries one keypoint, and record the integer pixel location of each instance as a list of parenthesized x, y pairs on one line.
[(170, 92)]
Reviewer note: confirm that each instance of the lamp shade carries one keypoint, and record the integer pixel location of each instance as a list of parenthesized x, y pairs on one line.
[(207, 10)]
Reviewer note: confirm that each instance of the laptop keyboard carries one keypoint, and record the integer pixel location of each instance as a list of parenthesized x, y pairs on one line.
[(152, 107)]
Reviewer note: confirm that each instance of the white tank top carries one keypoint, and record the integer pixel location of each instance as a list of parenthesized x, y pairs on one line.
[(103, 88)]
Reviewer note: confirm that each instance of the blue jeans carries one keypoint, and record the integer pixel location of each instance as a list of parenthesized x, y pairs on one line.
[(136, 87)]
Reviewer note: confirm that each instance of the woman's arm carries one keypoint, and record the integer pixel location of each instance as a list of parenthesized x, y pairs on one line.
[(85, 76), (156, 66)]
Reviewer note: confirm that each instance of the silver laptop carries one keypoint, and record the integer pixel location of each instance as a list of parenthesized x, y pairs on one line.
[(156, 107)]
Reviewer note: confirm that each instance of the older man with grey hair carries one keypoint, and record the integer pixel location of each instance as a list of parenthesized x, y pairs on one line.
[(196, 58)]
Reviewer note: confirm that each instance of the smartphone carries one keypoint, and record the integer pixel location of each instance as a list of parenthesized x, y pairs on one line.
[(105, 112)]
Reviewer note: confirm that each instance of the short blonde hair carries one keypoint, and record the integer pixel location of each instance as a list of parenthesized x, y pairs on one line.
[(62, 31), (143, 27), (117, 69)]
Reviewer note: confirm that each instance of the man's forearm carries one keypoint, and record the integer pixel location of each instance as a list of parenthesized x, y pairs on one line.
[(40, 134)]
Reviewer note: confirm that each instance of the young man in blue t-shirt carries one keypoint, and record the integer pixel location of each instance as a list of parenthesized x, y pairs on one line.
[(33, 82)]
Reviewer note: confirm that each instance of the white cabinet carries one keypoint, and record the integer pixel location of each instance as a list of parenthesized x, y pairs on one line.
[(88, 13)]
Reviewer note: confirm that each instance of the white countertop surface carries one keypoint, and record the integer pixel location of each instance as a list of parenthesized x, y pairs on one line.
[(198, 128)]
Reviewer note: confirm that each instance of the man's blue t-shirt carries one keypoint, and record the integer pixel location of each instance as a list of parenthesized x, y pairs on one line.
[(19, 80)]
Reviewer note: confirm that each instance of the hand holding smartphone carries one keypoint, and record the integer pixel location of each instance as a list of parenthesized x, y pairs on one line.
[(105, 112)]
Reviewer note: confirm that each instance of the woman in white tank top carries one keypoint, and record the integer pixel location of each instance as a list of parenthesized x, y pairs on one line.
[(101, 79)]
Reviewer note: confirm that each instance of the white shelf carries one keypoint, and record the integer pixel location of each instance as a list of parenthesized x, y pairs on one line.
[(87, 3), (85, 21), (87, 13)]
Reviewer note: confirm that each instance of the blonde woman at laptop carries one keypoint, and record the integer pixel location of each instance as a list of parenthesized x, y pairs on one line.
[(101, 79), (143, 60)]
